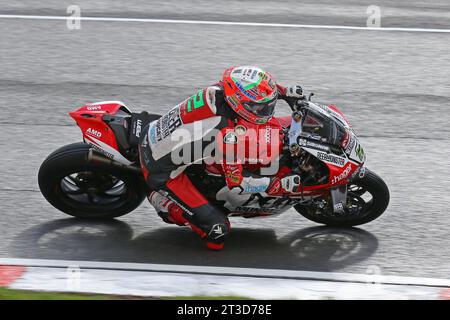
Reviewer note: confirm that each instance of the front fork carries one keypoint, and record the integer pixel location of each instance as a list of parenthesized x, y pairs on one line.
[(339, 195), (339, 198)]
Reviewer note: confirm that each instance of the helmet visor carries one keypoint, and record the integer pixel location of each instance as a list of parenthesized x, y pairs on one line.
[(264, 109)]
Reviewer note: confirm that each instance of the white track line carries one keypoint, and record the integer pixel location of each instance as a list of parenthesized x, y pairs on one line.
[(227, 271), (223, 23)]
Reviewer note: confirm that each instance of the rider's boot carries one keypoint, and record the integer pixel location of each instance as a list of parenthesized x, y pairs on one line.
[(171, 213)]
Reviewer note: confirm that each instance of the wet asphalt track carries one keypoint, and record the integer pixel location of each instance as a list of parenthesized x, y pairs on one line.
[(393, 86)]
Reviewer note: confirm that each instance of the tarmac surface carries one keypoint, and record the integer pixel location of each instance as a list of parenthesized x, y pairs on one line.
[(393, 86)]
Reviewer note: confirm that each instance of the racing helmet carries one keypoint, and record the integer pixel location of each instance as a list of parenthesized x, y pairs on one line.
[(251, 92)]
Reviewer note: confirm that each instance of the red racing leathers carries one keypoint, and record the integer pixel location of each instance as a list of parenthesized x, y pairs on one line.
[(180, 138)]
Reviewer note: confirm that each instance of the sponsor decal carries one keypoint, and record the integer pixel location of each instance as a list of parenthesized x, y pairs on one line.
[(188, 211), (362, 172), (268, 134), (230, 138), (237, 71), (331, 158), (262, 75), (271, 84), (256, 210), (254, 91), (167, 124), (344, 174), (98, 149), (350, 145), (94, 133), (360, 152), (245, 92), (240, 130), (137, 130), (152, 134), (94, 108), (311, 144), (255, 189), (196, 100), (232, 102)]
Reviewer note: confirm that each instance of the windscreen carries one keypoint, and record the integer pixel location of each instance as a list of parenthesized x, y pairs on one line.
[(317, 121)]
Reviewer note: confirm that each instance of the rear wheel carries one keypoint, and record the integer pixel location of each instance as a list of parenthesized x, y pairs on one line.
[(367, 199), (85, 190)]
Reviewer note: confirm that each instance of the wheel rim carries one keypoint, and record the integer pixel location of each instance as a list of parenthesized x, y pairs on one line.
[(359, 203), (93, 188)]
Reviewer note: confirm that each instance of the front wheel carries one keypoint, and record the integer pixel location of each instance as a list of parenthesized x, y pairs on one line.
[(84, 190), (367, 199)]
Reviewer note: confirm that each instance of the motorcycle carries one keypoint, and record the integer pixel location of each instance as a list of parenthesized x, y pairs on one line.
[(101, 177)]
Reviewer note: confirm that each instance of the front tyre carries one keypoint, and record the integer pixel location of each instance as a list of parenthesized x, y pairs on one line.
[(367, 199), (78, 188)]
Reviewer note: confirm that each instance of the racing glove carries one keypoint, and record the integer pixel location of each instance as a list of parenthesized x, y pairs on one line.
[(294, 91), (288, 184)]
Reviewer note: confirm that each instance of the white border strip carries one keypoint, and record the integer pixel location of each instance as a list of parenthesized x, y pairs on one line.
[(222, 23), (228, 271)]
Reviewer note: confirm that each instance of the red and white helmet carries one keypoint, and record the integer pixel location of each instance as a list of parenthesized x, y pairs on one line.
[(251, 92)]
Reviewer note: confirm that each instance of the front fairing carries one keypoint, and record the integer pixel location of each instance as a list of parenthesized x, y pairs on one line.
[(329, 126)]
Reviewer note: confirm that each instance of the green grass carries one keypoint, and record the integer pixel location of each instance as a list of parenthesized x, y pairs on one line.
[(12, 294)]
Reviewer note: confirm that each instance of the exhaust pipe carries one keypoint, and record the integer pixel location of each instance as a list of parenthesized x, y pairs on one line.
[(97, 158)]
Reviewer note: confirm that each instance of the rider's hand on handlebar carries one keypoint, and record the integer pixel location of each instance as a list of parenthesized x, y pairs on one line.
[(294, 91), (290, 183), (286, 184)]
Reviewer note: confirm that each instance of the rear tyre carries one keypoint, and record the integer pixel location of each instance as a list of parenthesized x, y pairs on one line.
[(367, 199), (84, 190)]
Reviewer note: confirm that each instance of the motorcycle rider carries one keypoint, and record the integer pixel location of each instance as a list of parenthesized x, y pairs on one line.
[(247, 92)]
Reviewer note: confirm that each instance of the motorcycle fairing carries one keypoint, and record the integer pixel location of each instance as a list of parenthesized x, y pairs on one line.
[(251, 205), (96, 131)]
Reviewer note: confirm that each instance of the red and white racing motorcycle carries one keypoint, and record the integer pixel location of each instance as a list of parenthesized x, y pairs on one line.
[(101, 177)]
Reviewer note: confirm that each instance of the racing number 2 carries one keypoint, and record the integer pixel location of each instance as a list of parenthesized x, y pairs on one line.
[(198, 101)]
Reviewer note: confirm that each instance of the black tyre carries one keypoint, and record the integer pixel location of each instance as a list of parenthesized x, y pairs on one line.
[(84, 190), (367, 199)]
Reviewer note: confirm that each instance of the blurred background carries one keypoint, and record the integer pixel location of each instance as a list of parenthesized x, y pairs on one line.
[(393, 86)]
